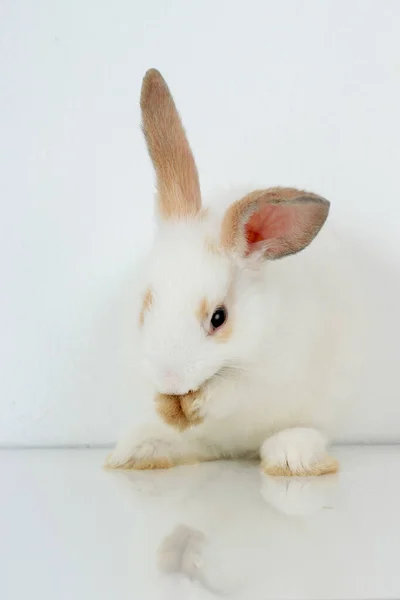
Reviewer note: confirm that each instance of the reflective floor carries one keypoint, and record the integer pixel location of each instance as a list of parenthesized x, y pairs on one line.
[(70, 530)]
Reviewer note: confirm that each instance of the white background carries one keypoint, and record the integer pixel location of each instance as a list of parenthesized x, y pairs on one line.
[(303, 93)]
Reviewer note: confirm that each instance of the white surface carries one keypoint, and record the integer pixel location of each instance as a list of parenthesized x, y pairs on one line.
[(71, 530), (297, 93)]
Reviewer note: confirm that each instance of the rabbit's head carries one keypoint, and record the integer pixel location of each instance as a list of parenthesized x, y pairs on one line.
[(204, 311)]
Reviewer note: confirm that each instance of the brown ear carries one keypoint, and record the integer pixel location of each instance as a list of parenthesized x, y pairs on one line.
[(177, 178), (274, 222)]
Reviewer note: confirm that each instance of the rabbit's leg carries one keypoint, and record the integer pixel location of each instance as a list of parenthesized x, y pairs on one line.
[(297, 451), (156, 447)]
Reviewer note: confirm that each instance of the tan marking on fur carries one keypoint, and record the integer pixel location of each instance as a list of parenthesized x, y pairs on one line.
[(177, 178), (146, 305), (178, 411), (146, 464), (189, 408), (139, 465), (232, 228), (203, 311), (328, 465), (155, 462)]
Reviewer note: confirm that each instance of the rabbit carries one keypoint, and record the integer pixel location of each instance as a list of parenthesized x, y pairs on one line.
[(246, 355)]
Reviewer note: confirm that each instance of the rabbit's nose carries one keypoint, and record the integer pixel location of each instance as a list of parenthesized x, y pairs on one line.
[(171, 376), (171, 382)]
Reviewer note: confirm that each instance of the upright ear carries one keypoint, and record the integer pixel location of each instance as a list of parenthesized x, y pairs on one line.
[(176, 172), (273, 223)]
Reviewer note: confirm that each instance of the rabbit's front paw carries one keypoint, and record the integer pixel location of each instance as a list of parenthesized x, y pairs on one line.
[(145, 449), (180, 412), (297, 451)]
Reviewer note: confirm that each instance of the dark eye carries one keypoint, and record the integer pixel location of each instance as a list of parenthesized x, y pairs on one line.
[(219, 317)]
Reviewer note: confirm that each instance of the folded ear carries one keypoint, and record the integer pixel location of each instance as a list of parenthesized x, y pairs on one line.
[(273, 223), (177, 178)]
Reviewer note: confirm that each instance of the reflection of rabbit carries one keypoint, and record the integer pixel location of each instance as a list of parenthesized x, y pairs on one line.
[(298, 496), (257, 536), (181, 552), (246, 355), (224, 539)]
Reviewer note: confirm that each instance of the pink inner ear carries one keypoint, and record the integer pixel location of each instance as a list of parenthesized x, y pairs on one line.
[(285, 228), (272, 223)]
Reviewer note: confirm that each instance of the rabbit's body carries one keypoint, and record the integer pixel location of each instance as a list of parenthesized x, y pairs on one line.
[(272, 379)]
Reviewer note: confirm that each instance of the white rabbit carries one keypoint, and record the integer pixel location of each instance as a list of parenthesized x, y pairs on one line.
[(246, 355)]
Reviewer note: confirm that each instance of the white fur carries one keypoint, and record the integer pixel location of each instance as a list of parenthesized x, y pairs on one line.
[(298, 448), (295, 341)]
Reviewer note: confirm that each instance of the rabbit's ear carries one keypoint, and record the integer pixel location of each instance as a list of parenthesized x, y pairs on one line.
[(177, 178), (273, 223)]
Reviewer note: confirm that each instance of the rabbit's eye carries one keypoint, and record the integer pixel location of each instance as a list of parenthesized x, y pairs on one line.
[(219, 317)]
